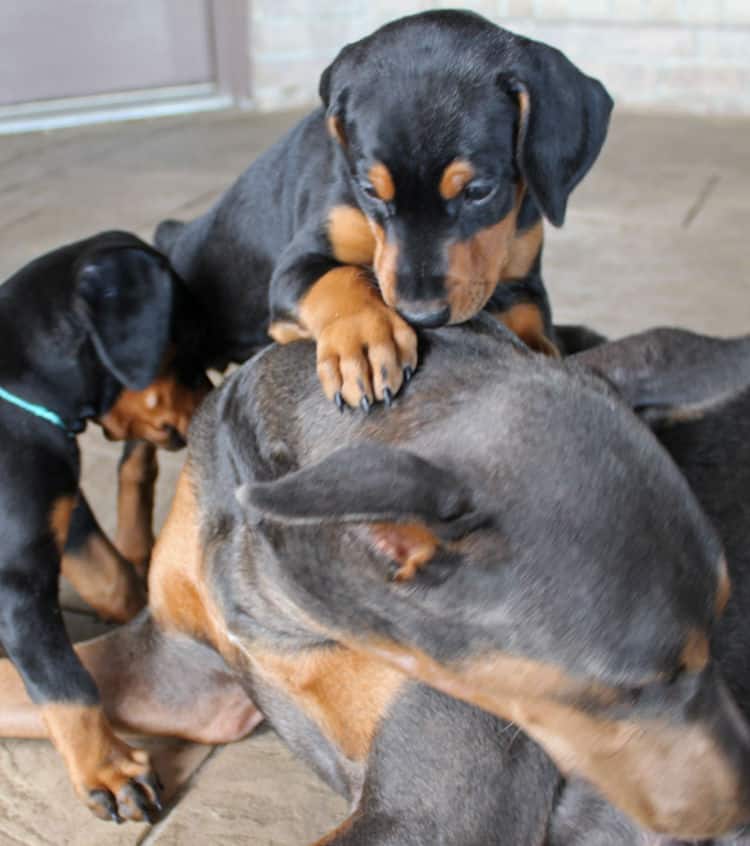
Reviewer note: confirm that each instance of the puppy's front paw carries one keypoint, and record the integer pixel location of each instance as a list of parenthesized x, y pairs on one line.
[(123, 786), (114, 780), (365, 350), (366, 356)]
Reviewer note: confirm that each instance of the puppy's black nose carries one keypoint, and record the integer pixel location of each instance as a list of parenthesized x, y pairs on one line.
[(426, 319), (175, 441)]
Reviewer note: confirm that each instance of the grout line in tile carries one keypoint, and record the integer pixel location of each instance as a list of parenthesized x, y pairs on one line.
[(150, 837), (701, 200)]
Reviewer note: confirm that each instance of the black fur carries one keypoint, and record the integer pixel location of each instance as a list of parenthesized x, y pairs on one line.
[(415, 94), (695, 392), (78, 325)]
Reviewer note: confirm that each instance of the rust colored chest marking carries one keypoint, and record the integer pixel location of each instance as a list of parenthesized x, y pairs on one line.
[(178, 594), (526, 321), (345, 693), (59, 520), (351, 237), (524, 249)]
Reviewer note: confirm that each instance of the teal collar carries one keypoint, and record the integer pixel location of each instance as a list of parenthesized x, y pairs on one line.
[(40, 411)]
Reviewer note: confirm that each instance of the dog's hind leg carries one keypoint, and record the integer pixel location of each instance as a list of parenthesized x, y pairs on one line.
[(150, 682)]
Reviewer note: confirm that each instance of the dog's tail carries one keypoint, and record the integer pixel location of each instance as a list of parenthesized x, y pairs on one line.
[(167, 233)]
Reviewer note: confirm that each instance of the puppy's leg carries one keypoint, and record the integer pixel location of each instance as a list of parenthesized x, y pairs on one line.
[(150, 682), (113, 779), (365, 350), (136, 481), (158, 677), (100, 575)]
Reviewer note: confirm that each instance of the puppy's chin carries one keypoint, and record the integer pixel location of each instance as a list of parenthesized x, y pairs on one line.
[(467, 297), (169, 439), (173, 442)]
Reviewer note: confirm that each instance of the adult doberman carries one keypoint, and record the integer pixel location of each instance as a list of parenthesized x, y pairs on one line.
[(510, 536)]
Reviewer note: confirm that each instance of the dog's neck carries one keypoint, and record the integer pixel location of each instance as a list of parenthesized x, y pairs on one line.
[(50, 363)]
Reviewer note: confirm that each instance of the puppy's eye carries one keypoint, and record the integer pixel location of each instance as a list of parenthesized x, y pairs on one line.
[(478, 191), (369, 189), (676, 675)]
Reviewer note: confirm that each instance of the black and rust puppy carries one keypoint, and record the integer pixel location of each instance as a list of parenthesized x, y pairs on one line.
[(91, 331), (272, 577), (414, 196)]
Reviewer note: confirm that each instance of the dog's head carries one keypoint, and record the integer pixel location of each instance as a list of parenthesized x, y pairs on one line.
[(139, 320), (569, 579), (448, 126)]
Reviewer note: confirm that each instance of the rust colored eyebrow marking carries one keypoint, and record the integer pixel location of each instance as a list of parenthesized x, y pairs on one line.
[(455, 178), (696, 652), (524, 104), (336, 129), (382, 182), (724, 588)]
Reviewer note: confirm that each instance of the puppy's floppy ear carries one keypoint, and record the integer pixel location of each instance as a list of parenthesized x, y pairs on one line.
[(126, 300), (334, 95), (564, 116), (672, 375), (324, 86)]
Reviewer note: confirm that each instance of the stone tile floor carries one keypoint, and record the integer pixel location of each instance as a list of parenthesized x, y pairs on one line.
[(657, 234)]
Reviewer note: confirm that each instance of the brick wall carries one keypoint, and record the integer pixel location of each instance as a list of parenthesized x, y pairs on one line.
[(675, 55)]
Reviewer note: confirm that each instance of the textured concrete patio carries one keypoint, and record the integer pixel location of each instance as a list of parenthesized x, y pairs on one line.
[(658, 234)]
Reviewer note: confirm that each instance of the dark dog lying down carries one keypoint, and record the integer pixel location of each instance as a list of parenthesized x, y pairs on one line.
[(414, 197), (553, 567)]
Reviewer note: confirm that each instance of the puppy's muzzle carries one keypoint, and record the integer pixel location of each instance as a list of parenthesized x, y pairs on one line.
[(428, 315)]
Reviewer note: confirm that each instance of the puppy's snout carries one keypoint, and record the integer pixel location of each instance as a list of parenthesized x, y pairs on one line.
[(425, 315), (174, 440)]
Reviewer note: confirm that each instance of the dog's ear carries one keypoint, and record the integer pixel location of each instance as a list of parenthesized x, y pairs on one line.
[(366, 483), (125, 300), (324, 86), (334, 95), (672, 375), (563, 121), (410, 505)]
